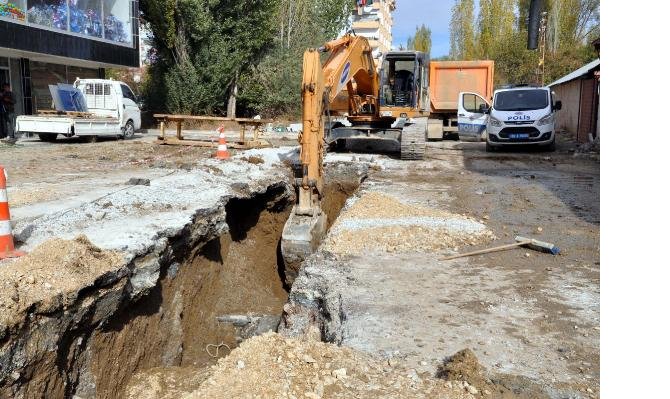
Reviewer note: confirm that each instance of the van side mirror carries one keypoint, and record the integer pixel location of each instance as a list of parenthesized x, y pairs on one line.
[(483, 109), (558, 105)]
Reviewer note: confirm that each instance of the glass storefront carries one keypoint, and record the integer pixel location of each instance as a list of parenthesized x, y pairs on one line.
[(105, 19)]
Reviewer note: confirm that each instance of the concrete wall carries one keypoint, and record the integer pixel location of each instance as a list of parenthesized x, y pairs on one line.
[(569, 94)]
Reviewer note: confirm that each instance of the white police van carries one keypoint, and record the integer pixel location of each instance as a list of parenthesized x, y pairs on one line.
[(521, 116)]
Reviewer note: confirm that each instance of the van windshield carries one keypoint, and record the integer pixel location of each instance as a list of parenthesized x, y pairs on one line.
[(521, 100)]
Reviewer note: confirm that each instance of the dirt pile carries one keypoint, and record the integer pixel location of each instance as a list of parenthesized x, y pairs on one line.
[(376, 221), (51, 275), (272, 366), (464, 367)]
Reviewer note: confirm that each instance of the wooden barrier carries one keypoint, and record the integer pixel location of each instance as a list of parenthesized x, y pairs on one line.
[(242, 143)]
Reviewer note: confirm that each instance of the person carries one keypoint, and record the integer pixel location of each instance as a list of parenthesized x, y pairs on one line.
[(7, 110)]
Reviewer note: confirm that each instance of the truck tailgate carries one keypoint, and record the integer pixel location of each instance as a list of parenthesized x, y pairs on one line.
[(44, 124)]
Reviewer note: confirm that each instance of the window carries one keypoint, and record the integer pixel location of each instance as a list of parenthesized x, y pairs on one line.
[(86, 17), (49, 13), (127, 93), (105, 19), (117, 15), (472, 103), (13, 9), (521, 100)]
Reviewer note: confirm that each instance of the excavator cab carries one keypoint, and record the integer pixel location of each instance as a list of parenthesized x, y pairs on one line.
[(404, 84)]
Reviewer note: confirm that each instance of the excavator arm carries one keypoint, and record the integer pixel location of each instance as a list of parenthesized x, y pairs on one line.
[(350, 66)]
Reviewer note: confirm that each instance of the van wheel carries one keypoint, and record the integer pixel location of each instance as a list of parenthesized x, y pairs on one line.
[(128, 130), (490, 148), (48, 137)]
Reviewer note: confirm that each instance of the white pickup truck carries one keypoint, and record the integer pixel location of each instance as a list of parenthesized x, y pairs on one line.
[(112, 111)]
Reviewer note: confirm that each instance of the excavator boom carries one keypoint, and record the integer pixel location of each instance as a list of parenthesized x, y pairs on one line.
[(349, 68)]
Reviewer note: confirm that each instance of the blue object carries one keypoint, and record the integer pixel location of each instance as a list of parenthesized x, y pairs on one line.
[(68, 98)]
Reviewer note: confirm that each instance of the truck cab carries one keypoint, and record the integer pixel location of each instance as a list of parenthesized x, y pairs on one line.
[(404, 85), (522, 115)]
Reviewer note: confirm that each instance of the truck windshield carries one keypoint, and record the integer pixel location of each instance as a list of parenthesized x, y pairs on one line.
[(521, 100)]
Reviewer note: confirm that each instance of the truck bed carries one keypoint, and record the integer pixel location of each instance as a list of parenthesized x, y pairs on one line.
[(64, 124)]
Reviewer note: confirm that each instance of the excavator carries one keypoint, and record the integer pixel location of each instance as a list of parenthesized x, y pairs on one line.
[(389, 105)]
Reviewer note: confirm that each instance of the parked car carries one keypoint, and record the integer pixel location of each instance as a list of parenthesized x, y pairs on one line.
[(521, 116)]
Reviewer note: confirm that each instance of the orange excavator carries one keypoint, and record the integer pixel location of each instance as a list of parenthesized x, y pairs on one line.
[(391, 105)]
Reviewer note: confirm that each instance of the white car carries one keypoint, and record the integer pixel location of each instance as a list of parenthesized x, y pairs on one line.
[(521, 116)]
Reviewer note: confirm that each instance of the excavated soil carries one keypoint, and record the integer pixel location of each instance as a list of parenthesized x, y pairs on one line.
[(175, 328), (54, 271), (272, 366), (464, 366), (237, 273)]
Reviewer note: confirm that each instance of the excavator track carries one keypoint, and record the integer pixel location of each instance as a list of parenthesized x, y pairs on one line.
[(413, 142)]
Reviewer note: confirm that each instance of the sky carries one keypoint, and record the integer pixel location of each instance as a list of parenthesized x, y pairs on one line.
[(435, 14)]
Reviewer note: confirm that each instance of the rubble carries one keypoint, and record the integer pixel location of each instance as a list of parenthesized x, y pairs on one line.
[(273, 366)]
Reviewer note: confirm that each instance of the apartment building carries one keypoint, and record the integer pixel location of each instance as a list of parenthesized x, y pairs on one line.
[(374, 20)]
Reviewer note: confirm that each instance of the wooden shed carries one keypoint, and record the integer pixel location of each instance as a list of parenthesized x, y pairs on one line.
[(580, 93)]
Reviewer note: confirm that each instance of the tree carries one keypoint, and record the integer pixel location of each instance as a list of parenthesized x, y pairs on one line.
[(502, 30), (496, 20), (201, 46), (272, 87), (421, 41), (463, 40)]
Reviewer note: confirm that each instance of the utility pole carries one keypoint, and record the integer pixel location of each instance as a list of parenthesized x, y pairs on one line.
[(543, 48)]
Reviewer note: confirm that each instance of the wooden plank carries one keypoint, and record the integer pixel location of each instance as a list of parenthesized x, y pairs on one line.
[(170, 117), (202, 143)]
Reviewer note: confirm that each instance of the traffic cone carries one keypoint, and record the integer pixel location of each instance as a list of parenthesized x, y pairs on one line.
[(6, 238), (222, 151)]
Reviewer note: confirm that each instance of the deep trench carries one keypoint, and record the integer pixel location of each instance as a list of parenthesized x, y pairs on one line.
[(238, 273)]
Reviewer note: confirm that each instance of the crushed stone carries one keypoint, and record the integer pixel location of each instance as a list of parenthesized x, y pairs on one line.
[(376, 221), (278, 367)]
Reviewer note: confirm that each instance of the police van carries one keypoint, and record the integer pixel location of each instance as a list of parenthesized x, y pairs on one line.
[(521, 116)]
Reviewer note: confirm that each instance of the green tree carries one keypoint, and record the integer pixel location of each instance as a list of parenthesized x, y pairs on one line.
[(497, 21), (463, 40), (202, 45), (421, 41), (272, 87)]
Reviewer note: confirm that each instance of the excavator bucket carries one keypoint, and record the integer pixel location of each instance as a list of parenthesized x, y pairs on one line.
[(301, 237)]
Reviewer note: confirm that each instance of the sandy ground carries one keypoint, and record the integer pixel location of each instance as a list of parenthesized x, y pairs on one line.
[(522, 313)]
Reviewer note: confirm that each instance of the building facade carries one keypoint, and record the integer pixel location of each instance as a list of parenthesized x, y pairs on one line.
[(373, 19), (45, 42)]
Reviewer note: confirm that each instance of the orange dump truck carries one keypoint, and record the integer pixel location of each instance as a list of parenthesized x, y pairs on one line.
[(447, 80)]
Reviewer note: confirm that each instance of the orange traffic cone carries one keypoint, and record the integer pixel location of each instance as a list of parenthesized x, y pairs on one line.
[(6, 238), (222, 151)]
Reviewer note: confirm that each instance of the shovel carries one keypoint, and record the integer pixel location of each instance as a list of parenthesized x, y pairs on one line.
[(520, 242)]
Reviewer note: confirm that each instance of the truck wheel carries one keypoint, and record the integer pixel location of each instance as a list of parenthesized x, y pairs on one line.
[(128, 130), (48, 137)]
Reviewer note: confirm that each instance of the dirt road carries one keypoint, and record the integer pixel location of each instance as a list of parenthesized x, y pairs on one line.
[(523, 313)]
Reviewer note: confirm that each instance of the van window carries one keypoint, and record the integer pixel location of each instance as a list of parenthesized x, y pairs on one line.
[(521, 100), (471, 103), (127, 93)]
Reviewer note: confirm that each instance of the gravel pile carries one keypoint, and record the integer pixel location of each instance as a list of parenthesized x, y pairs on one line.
[(272, 366), (376, 221)]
